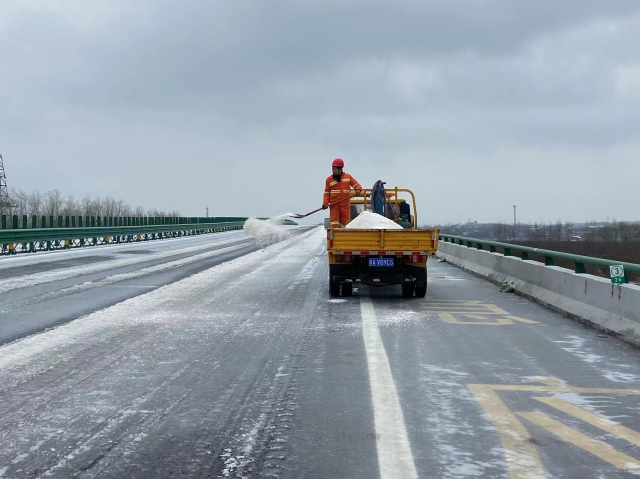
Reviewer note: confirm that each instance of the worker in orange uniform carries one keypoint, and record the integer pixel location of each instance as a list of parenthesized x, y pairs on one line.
[(338, 187)]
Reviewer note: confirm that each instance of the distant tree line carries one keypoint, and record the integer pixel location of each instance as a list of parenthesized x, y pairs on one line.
[(54, 203), (591, 231)]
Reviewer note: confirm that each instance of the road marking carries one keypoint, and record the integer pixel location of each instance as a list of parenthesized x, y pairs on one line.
[(595, 447), (480, 320), (594, 419), (522, 456), (482, 314), (159, 268), (395, 458)]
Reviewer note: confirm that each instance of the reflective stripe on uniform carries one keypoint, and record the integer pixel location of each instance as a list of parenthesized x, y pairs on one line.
[(333, 183), (336, 192)]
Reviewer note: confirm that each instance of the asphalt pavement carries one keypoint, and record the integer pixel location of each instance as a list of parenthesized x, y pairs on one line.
[(245, 367)]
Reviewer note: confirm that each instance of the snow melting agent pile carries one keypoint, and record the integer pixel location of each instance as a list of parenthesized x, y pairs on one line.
[(373, 221), (266, 232)]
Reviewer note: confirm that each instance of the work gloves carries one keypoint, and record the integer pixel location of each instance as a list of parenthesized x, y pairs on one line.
[(324, 207), (358, 192)]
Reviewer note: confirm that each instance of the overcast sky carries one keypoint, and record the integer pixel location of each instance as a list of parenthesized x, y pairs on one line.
[(242, 105)]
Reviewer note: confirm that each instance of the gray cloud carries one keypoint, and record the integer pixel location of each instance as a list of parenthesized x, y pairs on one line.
[(179, 104)]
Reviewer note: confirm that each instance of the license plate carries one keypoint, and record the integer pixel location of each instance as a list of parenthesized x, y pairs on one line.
[(381, 262)]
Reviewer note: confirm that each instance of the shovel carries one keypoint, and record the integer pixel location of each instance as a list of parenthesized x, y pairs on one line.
[(298, 216)]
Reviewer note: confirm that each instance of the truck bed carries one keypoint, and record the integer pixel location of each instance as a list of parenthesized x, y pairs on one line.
[(382, 242)]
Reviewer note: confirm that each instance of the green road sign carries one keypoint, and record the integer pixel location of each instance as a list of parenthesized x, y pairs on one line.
[(617, 274)]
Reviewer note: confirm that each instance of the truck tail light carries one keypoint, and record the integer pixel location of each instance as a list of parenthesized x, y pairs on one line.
[(344, 258)]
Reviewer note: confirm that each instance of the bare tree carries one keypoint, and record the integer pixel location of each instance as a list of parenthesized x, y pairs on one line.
[(53, 202)]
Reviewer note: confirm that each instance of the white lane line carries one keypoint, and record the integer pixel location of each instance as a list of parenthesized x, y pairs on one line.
[(36, 279), (395, 459), (159, 268)]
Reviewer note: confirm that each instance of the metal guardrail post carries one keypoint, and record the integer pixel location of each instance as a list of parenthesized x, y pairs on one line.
[(35, 239), (15, 222)]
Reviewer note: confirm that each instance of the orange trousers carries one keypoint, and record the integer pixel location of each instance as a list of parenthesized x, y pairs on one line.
[(340, 215)]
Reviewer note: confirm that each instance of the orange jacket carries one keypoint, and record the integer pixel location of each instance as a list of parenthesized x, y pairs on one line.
[(337, 190)]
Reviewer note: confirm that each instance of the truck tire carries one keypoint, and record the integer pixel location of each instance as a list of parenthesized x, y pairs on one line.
[(347, 289), (407, 290), (421, 290), (334, 286)]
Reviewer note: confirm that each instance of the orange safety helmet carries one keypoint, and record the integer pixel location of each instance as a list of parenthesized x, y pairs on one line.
[(337, 163)]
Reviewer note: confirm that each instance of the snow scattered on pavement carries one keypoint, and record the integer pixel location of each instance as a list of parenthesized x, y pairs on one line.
[(151, 307), (575, 345), (598, 404), (435, 369), (140, 273), (451, 427), (306, 274), (75, 271), (617, 377)]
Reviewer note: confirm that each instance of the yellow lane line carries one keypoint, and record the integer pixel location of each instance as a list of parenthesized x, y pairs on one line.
[(594, 419), (522, 457), (553, 389), (523, 320), (593, 446), (450, 318), (555, 382)]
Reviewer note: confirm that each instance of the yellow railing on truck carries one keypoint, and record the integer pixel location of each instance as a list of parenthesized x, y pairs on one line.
[(406, 240)]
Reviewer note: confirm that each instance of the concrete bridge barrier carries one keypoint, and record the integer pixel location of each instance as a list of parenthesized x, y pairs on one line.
[(614, 308)]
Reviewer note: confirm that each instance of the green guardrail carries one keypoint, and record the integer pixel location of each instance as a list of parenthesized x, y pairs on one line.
[(549, 256), (31, 240)]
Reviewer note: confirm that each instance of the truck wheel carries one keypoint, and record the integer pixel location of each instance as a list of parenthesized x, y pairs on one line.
[(421, 290), (334, 289), (407, 290), (347, 289)]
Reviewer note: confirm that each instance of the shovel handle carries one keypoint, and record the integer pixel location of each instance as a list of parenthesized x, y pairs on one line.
[(330, 205)]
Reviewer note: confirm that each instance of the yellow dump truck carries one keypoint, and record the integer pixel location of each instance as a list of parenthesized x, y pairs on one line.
[(382, 257)]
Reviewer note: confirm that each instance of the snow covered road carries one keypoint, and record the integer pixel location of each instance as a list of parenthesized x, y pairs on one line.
[(47, 289), (248, 369)]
